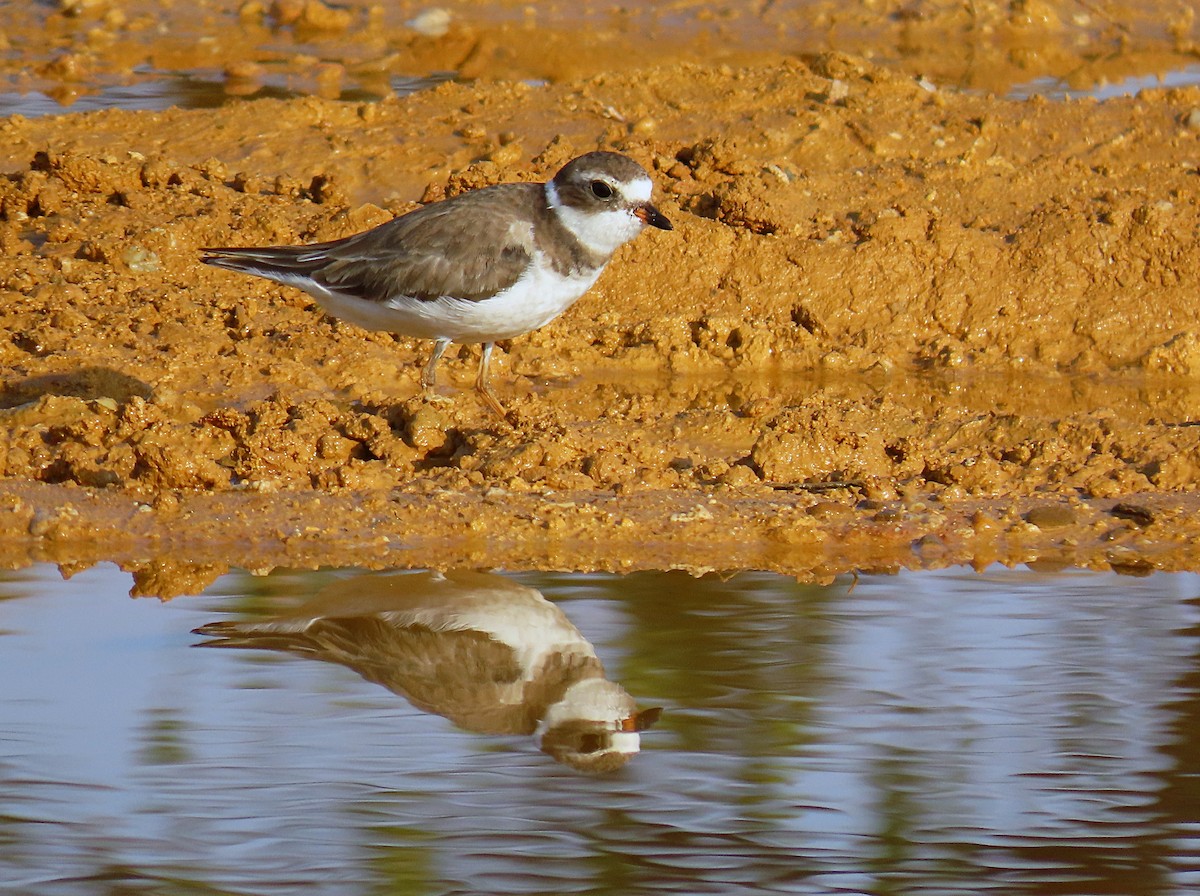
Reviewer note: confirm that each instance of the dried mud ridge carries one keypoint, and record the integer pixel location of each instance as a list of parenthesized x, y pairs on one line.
[(894, 321)]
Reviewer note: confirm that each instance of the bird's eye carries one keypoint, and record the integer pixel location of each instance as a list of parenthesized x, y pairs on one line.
[(600, 189)]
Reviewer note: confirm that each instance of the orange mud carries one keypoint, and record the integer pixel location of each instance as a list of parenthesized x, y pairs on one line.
[(899, 323)]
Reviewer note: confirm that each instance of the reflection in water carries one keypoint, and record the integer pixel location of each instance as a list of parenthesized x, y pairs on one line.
[(1014, 732), (490, 654)]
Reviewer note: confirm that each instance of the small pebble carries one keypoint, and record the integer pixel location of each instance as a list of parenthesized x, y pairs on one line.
[(433, 22), (140, 260), (1136, 513), (1051, 516)]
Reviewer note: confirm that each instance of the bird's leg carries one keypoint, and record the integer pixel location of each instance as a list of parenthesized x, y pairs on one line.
[(429, 372), (483, 387)]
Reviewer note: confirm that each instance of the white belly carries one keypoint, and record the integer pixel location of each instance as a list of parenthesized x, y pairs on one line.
[(533, 301)]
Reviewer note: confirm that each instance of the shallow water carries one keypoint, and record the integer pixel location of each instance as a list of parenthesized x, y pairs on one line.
[(1015, 731), (156, 91), (1059, 89)]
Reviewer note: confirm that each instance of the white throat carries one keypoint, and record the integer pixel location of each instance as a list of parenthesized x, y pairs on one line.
[(602, 232)]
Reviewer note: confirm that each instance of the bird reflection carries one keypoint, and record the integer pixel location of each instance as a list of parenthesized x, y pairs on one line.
[(490, 654)]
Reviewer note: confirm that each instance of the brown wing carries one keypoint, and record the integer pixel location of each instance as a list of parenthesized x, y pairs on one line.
[(471, 247), (465, 676)]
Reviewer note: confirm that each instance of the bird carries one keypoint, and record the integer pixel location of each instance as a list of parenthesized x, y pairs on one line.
[(489, 264), (490, 654)]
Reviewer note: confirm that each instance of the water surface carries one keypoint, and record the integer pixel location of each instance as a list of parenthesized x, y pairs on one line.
[(158, 90), (1060, 89), (942, 732)]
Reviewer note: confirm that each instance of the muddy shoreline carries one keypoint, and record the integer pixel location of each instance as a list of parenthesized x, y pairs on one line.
[(900, 322), (173, 549)]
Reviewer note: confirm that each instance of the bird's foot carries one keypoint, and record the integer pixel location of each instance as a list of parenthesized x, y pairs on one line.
[(494, 405)]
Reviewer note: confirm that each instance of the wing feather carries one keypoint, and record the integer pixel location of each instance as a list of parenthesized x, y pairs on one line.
[(470, 247)]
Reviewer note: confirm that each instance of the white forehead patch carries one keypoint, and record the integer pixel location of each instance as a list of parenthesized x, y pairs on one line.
[(640, 189), (626, 742)]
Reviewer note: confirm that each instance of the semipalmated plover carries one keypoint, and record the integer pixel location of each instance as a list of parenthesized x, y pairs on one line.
[(488, 653), (486, 265)]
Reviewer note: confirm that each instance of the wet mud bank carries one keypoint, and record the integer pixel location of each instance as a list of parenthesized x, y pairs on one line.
[(181, 549), (898, 323)]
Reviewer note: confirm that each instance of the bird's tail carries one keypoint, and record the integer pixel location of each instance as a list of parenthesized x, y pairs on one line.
[(282, 263)]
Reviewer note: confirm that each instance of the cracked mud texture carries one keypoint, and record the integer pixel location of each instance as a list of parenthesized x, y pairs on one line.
[(899, 322)]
